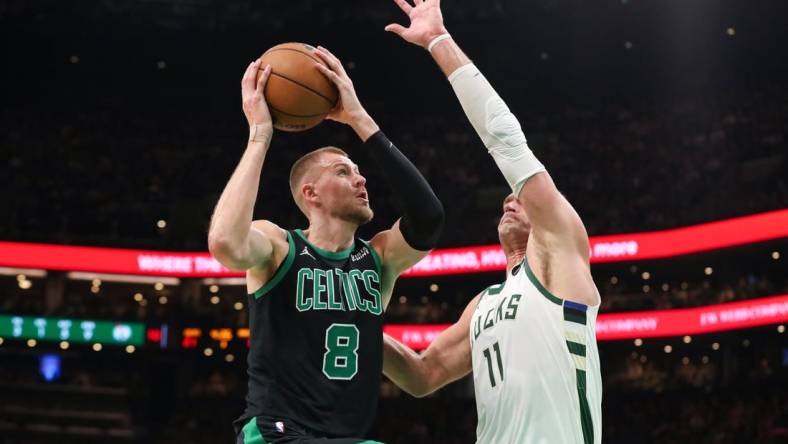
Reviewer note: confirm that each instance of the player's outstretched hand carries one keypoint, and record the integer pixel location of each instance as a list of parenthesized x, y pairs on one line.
[(426, 22), (252, 97), (348, 108)]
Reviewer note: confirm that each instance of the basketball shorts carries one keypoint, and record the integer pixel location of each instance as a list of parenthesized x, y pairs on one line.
[(262, 430)]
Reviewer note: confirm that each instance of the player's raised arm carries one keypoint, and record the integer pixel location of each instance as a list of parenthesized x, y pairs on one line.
[(447, 359), (417, 231), (555, 223), (232, 238)]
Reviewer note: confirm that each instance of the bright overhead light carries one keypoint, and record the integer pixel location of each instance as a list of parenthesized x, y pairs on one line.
[(122, 278), (22, 273)]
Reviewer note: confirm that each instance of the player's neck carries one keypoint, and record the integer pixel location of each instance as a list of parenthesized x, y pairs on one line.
[(514, 256), (331, 234), (513, 260)]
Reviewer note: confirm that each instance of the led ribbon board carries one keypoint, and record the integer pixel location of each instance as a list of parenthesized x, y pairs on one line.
[(71, 330), (614, 248), (646, 324)]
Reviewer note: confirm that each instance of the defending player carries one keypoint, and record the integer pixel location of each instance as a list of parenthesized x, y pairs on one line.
[(316, 297), (530, 340)]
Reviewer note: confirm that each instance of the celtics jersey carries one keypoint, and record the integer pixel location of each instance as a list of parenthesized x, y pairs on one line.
[(316, 344), (535, 365)]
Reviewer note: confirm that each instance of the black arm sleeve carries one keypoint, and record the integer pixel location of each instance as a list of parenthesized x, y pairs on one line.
[(422, 220)]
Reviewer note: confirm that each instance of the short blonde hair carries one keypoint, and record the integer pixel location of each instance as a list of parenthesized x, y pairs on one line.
[(302, 166)]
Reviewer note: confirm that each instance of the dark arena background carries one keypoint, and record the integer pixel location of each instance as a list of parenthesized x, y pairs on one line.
[(665, 123)]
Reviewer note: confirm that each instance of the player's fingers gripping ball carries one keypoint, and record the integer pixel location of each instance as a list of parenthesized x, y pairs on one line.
[(298, 95)]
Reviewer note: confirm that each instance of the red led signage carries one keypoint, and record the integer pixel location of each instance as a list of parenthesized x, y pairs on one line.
[(647, 324), (619, 247)]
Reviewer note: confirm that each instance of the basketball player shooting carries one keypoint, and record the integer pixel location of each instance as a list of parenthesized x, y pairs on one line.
[(316, 296), (530, 340)]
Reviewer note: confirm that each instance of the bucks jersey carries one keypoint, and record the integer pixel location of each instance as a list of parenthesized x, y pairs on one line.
[(316, 340), (535, 365)]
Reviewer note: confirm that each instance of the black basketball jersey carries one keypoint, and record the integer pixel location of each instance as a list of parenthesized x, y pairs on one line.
[(316, 344)]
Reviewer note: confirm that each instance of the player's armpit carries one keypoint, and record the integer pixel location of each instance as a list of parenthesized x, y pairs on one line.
[(395, 252), (554, 222)]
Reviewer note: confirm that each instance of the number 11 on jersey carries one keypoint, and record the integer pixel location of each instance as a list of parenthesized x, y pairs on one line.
[(488, 356)]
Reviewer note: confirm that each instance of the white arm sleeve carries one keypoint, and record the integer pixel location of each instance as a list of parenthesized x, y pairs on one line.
[(496, 125)]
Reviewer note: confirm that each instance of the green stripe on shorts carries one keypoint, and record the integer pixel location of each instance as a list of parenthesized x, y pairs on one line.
[(252, 433)]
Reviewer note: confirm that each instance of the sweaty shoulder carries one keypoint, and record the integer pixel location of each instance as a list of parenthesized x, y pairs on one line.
[(564, 276)]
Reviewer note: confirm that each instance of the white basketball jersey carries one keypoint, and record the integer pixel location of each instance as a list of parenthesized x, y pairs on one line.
[(535, 366)]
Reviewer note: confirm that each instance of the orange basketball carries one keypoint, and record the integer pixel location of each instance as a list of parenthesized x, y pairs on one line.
[(298, 95)]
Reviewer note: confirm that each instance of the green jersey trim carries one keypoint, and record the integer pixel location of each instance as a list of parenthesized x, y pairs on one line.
[(336, 256), (545, 292), (575, 314), (252, 434), (586, 422), (282, 271)]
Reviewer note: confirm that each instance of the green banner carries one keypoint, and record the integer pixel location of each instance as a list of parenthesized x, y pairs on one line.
[(71, 330)]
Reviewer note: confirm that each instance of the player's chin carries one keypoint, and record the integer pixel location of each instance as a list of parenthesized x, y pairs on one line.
[(509, 227), (362, 215)]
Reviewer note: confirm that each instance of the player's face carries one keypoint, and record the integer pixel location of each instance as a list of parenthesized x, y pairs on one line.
[(514, 226), (342, 189)]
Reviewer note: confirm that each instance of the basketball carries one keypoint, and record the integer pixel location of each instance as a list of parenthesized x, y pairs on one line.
[(298, 95)]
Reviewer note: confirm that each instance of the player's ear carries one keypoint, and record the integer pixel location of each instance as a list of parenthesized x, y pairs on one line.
[(309, 192)]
